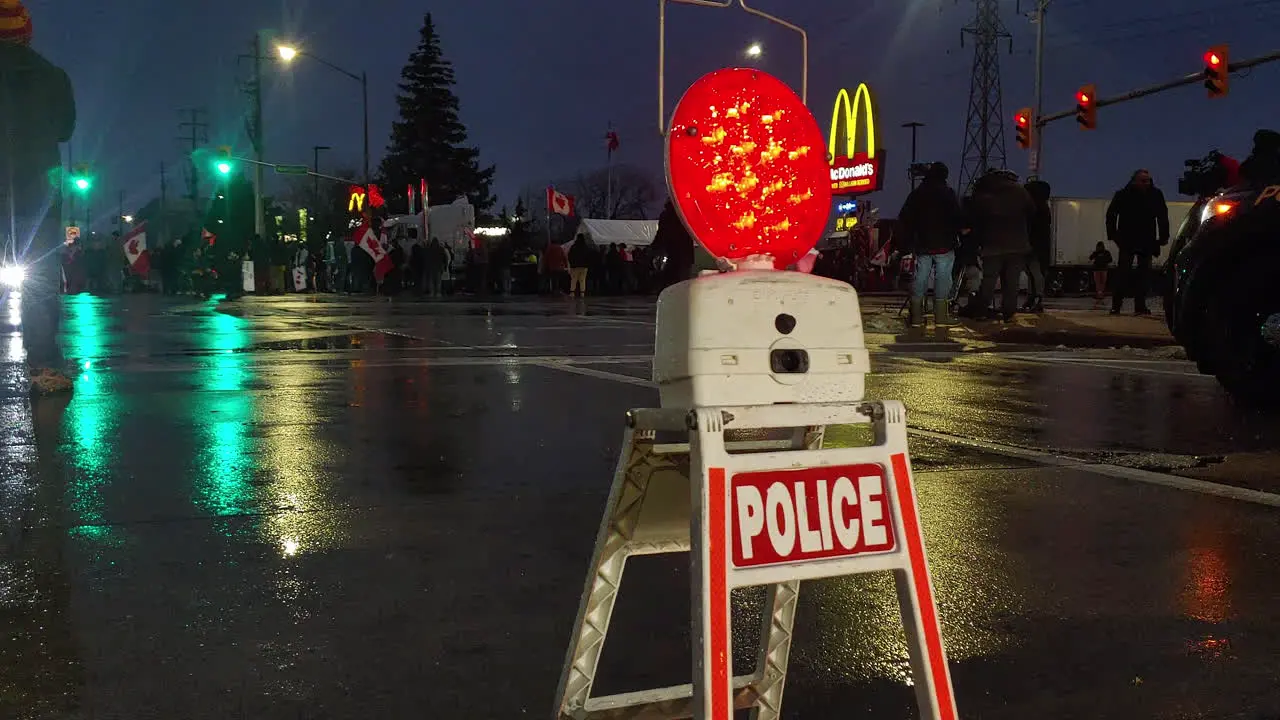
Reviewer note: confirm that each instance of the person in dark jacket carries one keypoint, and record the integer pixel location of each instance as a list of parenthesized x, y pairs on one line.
[(1138, 223), (1040, 236), (435, 260), (37, 113), (673, 242), (1002, 215), (928, 225), (1262, 167), (582, 255)]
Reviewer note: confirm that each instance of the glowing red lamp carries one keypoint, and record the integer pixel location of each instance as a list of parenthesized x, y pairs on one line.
[(1084, 98), (1212, 58), (747, 167), (1022, 119)]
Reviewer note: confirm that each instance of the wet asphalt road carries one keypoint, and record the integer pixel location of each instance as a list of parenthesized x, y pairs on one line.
[(280, 508)]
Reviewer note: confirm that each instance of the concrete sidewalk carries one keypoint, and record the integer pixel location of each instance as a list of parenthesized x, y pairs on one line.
[(1080, 326)]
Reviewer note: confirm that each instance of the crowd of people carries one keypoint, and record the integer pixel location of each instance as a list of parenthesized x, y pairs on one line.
[(1003, 231)]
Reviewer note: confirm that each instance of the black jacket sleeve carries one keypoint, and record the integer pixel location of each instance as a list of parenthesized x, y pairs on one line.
[(1113, 217), (1162, 217)]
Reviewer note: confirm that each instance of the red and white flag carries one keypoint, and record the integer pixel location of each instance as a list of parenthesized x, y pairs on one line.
[(208, 237), (135, 250), (382, 262), (559, 203), (611, 138)]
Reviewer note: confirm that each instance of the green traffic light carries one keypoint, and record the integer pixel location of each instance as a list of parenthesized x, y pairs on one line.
[(82, 184), (224, 167)]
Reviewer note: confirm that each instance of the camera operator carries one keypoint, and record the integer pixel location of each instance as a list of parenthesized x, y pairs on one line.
[(1262, 167), (1138, 223)]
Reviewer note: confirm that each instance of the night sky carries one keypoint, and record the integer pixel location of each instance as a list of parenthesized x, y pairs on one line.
[(539, 82)]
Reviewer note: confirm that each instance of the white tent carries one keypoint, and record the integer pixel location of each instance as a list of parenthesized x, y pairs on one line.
[(634, 233)]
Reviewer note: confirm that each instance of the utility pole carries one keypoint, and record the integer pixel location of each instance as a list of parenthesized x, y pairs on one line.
[(914, 127), (256, 136), (195, 128), (164, 201), (315, 167), (70, 196), (1037, 147)]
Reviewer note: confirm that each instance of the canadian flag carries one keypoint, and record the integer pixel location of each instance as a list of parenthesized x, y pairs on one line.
[(135, 250), (559, 203), (611, 138), (299, 279), (207, 236), (382, 263)]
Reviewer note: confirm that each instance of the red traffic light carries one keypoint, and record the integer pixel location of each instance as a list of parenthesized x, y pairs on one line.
[(1083, 97), (1022, 119), (1212, 58)]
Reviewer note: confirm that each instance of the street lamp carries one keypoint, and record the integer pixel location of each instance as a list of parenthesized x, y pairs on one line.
[(127, 218), (288, 53), (754, 50)]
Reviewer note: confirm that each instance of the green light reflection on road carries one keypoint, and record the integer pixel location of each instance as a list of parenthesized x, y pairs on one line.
[(223, 412), (90, 424)]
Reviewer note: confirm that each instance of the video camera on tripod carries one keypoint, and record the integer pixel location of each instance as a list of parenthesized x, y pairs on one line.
[(1204, 176)]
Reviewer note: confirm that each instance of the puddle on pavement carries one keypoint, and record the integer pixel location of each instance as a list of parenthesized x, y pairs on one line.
[(40, 672)]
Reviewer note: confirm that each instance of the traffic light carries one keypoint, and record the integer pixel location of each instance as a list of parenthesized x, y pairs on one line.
[(81, 179), (1023, 122), (1087, 107), (222, 163), (1217, 71)]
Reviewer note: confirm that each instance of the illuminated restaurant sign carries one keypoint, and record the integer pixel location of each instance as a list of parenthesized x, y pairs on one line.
[(854, 171)]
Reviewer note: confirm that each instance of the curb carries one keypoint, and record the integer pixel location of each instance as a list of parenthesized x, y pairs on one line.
[(1078, 338)]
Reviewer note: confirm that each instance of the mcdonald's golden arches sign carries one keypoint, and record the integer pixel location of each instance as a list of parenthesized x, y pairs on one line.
[(855, 169)]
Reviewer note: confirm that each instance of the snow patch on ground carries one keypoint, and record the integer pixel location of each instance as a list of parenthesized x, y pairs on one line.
[(1169, 352), (882, 324)]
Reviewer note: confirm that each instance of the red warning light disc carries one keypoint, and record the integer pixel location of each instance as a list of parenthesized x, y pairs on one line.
[(747, 167)]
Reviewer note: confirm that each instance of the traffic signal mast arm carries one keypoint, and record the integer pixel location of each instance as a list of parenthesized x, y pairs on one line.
[(274, 166), (1196, 78)]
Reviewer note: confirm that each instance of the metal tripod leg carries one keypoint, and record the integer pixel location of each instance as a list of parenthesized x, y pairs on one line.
[(613, 546)]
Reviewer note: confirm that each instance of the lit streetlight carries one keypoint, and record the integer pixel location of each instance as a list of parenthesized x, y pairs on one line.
[(127, 218), (288, 53), (754, 50)]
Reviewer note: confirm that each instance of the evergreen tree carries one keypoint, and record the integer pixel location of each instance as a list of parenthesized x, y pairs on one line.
[(429, 141)]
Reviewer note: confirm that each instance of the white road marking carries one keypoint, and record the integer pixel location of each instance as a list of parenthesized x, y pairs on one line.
[(1203, 487), (1038, 457)]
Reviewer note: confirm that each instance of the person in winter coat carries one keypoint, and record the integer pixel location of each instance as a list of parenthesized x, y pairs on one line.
[(37, 113), (1002, 215), (435, 260), (581, 257), (1101, 260), (673, 242), (1138, 223), (1262, 167), (1041, 232), (928, 225)]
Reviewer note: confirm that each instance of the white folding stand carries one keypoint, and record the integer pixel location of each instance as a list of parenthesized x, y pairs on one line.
[(752, 366)]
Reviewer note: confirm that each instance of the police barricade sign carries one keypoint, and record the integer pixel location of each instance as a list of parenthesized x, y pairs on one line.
[(756, 512), (751, 366)]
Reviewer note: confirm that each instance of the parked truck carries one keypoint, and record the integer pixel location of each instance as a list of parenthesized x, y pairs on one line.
[(453, 224), (1078, 225)]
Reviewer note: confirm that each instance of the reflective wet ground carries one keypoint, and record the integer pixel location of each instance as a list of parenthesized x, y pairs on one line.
[(285, 508)]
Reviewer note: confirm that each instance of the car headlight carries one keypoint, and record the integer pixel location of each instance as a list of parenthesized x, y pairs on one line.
[(11, 276)]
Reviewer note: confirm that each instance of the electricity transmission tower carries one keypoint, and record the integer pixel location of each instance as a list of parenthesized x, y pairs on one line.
[(984, 128)]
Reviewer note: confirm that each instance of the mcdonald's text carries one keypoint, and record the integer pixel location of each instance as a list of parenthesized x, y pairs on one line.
[(811, 514), (854, 171)]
